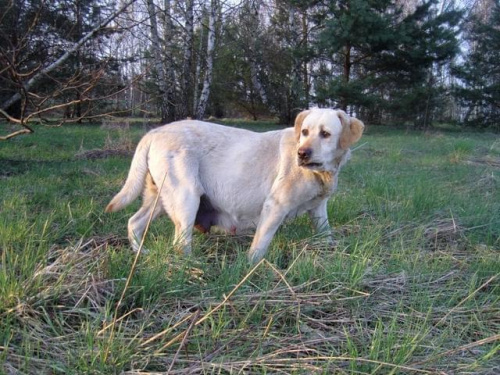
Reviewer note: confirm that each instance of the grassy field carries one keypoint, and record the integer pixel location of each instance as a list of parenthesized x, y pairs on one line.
[(413, 285)]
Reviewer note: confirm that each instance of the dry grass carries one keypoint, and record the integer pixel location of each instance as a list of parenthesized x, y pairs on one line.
[(120, 145), (307, 328)]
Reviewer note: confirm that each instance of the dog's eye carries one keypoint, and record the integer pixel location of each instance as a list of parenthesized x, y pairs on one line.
[(305, 132), (324, 134)]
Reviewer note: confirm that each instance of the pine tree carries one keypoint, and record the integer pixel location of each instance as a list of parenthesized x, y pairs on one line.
[(428, 42), (478, 90), (355, 31), (383, 62)]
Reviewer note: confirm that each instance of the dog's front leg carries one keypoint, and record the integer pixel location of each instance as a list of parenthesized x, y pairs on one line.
[(271, 218), (319, 218)]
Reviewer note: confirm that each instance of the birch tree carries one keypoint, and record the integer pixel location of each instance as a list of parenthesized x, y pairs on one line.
[(163, 92), (187, 82), (211, 35)]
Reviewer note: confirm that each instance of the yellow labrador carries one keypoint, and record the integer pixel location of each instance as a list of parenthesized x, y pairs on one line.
[(236, 179)]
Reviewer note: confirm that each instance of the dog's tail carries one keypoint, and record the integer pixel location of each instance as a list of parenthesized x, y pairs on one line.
[(135, 180)]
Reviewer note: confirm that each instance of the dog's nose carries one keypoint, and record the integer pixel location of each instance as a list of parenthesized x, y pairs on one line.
[(304, 153)]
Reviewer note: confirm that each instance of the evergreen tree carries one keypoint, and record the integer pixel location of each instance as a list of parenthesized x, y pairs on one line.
[(355, 31), (428, 41), (383, 62), (478, 90)]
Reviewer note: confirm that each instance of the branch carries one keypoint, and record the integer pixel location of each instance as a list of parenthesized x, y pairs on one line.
[(9, 117), (26, 130), (16, 133), (65, 56)]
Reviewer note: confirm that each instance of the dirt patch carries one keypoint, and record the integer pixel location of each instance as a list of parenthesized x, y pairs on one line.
[(487, 160), (101, 154), (121, 146), (444, 233)]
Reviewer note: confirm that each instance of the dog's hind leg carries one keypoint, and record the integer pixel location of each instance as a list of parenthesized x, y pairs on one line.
[(184, 209), (180, 197), (138, 222)]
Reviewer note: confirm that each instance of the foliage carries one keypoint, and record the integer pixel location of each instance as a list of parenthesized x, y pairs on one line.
[(387, 61), (478, 88)]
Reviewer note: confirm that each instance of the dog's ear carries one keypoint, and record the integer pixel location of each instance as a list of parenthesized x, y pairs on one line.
[(298, 122), (352, 129)]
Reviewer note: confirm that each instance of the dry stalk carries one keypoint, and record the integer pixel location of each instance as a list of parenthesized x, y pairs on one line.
[(474, 344), (132, 269), (184, 339), (206, 316), (466, 299)]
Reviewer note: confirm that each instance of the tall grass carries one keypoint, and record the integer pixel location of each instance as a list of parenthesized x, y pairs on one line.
[(412, 285)]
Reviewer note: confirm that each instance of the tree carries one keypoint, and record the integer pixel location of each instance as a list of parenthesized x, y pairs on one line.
[(207, 82), (163, 85), (478, 88), (355, 32), (385, 57), (39, 43), (430, 43)]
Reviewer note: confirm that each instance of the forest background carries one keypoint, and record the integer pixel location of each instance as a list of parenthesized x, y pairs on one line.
[(401, 62)]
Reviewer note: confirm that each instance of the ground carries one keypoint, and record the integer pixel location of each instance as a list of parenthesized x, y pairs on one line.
[(412, 285)]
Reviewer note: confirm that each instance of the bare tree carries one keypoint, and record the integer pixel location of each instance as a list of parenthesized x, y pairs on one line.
[(169, 58), (27, 82)]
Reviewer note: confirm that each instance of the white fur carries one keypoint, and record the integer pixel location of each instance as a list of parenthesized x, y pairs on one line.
[(252, 180)]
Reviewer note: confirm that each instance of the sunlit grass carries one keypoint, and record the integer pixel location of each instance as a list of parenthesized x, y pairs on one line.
[(412, 285)]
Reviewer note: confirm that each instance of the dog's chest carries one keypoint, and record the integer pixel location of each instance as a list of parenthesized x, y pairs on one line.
[(326, 183), (316, 195)]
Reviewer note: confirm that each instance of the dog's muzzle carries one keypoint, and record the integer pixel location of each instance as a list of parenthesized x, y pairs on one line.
[(304, 155)]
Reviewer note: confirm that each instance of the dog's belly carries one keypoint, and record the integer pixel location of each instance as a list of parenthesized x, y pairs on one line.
[(234, 222)]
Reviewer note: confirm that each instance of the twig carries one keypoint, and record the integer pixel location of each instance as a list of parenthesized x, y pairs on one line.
[(184, 339), (282, 277), (9, 117), (358, 147), (165, 331), (132, 269), (121, 318), (231, 293), (463, 347), (466, 299), (15, 134)]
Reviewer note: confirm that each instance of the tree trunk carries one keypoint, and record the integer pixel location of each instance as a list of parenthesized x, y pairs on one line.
[(169, 66), (205, 92), (252, 55), (344, 100), (157, 53), (187, 86), (305, 73), (196, 85)]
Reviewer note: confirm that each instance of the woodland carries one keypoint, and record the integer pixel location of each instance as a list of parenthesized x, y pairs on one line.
[(399, 62)]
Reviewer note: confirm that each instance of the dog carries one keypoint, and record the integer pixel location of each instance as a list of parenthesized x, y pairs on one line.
[(209, 175)]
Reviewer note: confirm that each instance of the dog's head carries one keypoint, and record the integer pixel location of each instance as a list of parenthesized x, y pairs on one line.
[(324, 136)]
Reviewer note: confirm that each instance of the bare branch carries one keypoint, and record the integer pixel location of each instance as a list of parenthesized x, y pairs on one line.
[(9, 117), (91, 34), (15, 134)]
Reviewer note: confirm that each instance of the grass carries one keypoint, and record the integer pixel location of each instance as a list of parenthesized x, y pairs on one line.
[(411, 287)]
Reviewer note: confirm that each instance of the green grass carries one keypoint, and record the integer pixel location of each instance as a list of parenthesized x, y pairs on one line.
[(411, 287)]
